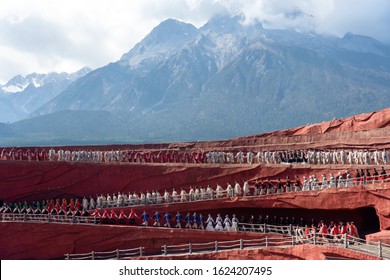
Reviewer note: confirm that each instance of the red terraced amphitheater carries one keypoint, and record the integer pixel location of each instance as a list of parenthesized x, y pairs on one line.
[(367, 206)]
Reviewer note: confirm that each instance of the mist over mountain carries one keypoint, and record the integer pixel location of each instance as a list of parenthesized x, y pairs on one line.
[(21, 96), (225, 80)]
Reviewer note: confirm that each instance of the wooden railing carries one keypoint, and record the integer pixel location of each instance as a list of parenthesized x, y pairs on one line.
[(293, 237)]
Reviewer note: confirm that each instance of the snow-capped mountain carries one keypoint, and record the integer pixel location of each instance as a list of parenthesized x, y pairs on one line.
[(228, 79), (21, 96)]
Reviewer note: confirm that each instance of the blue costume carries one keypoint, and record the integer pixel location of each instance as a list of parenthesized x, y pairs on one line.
[(145, 217), (178, 220), (156, 217)]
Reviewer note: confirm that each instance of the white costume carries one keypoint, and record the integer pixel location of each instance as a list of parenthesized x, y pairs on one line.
[(234, 223), (237, 189), (228, 223), (246, 188), (175, 198), (183, 195), (219, 223), (219, 192), (210, 223), (229, 190)]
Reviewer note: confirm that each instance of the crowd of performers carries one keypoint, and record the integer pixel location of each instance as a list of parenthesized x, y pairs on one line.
[(333, 230), (338, 156), (258, 188), (188, 221)]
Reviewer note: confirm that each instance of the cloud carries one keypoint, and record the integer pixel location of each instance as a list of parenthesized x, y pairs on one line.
[(54, 35)]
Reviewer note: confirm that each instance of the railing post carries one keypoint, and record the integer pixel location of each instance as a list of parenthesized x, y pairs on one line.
[(216, 246), (266, 242), (241, 244), (165, 249), (117, 254), (290, 230), (94, 220), (292, 241), (265, 229), (67, 256), (380, 249), (345, 241), (314, 239), (190, 248), (49, 218), (93, 255), (140, 251)]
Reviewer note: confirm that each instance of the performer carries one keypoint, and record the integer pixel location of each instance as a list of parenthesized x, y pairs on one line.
[(166, 197), (237, 189), (219, 222), (246, 188), (113, 217), (122, 217), (228, 223), (167, 218), (307, 232), (234, 223), (188, 220), (323, 230), (178, 219), (156, 218), (334, 232), (383, 174), (195, 221), (105, 217), (210, 222), (343, 228), (183, 195), (131, 217), (352, 230), (145, 217), (201, 221)]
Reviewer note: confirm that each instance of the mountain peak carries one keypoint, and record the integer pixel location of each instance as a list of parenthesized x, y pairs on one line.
[(170, 35), (170, 32)]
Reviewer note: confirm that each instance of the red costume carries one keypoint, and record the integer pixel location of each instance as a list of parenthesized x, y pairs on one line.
[(43, 155), (28, 154), (324, 230), (71, 205), (105, 216), (353, 230), (167, 157), (77, 204), (36, 155), (160, 157), (4, 154), (58, 205), (122, 217), (12, 154), (113, 217), (96, 213), (343, 229), (335, 230), (20, 155), (307, 232)]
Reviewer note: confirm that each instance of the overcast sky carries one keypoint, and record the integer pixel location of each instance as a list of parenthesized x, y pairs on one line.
[(58, 35)]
